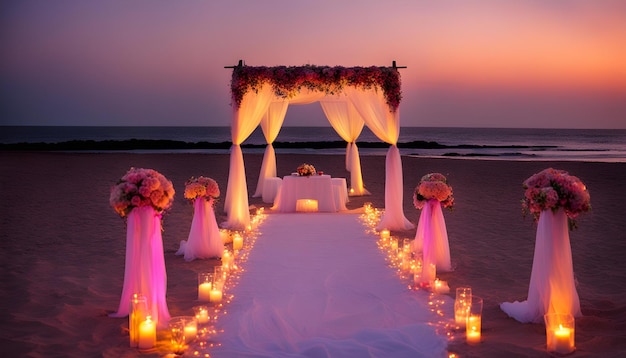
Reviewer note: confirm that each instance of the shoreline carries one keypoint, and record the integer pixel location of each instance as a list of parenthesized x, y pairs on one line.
[(63, 246)]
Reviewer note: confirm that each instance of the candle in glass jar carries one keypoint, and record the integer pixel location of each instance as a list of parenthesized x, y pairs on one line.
[(237, 241), (191, 330), (472, 329), (562, 340), (147, 334), (204, 291), (216, 295), (384, 234), (202, 314)]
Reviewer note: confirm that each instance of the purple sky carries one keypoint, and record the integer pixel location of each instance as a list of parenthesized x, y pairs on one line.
[(480, 63)]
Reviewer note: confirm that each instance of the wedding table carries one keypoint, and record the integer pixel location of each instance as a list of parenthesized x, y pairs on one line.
[(316, 187)]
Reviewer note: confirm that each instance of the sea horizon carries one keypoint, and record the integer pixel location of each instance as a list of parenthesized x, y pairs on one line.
[(599, 145)]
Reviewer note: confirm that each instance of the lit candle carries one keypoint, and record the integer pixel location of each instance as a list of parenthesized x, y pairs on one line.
[(461, 309), (204, 291), (384, 234), (191, 330), (216, 295), (563, 340), (440, 287), (237, 241), (138, 313), (472, 329), (394, 244), (147, 334), (202, 314), (226, 260)]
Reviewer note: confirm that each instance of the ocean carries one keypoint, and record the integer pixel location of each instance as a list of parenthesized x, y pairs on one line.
[(596, 145)]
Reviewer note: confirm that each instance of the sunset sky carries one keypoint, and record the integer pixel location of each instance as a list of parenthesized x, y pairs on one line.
[(480, 63)]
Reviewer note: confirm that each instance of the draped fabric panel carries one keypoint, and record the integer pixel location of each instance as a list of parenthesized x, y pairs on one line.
[(144, 270), (204, 240), (385, 124), (552, 287), (347, 122), (245, 119), (271, 124), (431, 237)]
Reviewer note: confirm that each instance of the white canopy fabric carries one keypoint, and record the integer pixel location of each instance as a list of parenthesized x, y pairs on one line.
[(347, 113), (347, 122)]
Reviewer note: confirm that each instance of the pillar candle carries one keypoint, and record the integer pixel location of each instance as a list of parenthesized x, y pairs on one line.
[(562, 340), (216, 295), (204, 291), (237, 242), (473, 328), (147, 334)]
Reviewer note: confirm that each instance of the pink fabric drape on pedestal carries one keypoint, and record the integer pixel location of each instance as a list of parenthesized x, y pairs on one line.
[(144, 271), (552, 288), (204, 239), (431, 237)]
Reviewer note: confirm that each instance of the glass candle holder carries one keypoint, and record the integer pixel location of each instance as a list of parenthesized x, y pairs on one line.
[(560, 329), (473, 324), (138, 313), (202, 314), (205, 281), (462, 303), (177, 335), (217, 291), (237, 241)]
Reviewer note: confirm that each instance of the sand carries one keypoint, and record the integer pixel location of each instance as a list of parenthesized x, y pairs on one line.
[(62, 254)]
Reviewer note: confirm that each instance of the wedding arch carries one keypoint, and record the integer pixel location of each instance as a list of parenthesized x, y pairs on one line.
[(351, 97)]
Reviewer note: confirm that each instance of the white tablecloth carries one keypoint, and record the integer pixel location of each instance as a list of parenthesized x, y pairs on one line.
[(318, 187)]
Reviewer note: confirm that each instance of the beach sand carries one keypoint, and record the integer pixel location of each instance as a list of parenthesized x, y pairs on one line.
[(63, 246)]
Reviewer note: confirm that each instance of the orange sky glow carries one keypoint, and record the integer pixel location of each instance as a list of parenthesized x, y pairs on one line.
[(161, 62)]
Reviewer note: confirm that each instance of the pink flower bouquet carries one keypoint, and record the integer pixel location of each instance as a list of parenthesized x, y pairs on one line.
[(552, 189), (201, 187), (433, 186), (306, 170), (141, 187)]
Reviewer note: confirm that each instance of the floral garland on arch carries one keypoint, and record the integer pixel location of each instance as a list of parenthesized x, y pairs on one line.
[(552, 189), (433, 186), (306, 170), (141, 187), (201, 187), (286, 81)]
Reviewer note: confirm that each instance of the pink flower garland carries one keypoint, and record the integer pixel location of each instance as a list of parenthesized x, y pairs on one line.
[(552, 189), (141, 187), (201, 187), (286, 81), (433, 186)]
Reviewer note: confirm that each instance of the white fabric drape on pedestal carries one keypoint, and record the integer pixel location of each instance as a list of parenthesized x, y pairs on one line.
[(144, 270), (347, 122), (204, 239), (271, 124), (245, 119), (431, 237), (552, 288), (385, 124)]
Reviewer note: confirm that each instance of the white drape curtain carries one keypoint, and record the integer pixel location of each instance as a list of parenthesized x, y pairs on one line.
[(552, 287), (385, 124), (144, 270), (245, 119), (271, 123), (347, 122)]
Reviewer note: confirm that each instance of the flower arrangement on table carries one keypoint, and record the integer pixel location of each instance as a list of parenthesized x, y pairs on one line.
[(201, 187), (552, 189), (141, 187), (433, 186), (306, 170)]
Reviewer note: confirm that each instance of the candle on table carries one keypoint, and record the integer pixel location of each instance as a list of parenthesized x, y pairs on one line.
[(147, 334)]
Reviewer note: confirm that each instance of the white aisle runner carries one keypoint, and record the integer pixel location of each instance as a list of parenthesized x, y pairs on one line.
[(316, 285)]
